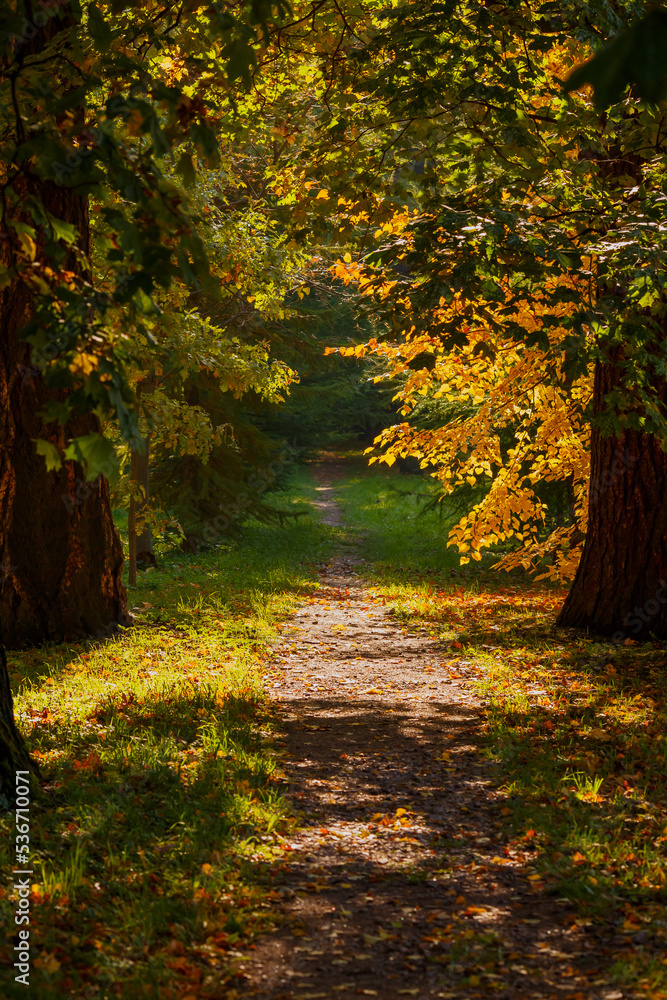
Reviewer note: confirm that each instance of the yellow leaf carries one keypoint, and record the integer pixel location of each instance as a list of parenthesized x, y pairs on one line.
[(323, 194), (48, 963), (83, 363), (30, 250)]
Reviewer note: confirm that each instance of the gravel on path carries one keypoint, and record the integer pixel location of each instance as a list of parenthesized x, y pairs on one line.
[(400, 881)]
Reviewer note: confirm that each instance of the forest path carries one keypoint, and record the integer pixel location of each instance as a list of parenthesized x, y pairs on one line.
[(399, 881)]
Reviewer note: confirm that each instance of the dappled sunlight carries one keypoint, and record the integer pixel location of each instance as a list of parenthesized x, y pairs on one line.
[(385, 780), (163, 798), (404, 875)]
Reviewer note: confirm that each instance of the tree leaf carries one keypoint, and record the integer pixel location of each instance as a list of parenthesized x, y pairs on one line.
[(635, 58), (99, 29), (96, 454), (50, 453)]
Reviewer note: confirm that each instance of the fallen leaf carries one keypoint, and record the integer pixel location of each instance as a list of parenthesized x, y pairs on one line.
[(49, 963)]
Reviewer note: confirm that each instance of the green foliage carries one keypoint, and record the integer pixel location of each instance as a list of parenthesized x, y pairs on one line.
[(516, 195), (636, 59), (209, 496), (85, 113), (335, 398)]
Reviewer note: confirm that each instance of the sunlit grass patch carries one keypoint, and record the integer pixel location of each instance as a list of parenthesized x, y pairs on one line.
[(386, 510), (162, 799), (585, 765), (576, 728), (156, 844)]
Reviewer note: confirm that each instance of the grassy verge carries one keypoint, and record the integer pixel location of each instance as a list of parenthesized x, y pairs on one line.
[(578, 727), (154, 846), (383, 509)]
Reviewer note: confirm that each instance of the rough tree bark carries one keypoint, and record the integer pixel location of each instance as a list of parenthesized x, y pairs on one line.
[(13, 751), (60, 554), (620, 589)]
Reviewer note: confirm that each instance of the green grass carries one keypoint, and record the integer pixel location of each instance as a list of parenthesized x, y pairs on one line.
[(156, 843), (384, 509), (576, 728)]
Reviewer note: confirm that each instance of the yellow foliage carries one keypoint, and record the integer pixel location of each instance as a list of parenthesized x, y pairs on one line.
[(83, 363), (519, 395)]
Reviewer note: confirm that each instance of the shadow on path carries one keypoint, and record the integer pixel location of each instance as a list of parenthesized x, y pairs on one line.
[(399, 882)]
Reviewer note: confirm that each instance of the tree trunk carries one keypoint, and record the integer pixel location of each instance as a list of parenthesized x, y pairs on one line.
[(145, 554), (140, 476), (132, 528), (60, 554), (620, 589), (14, 755)]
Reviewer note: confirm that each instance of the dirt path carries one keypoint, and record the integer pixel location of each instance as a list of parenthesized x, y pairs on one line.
[(400, 882)]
